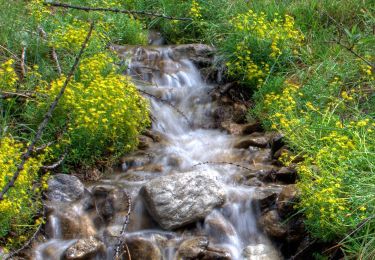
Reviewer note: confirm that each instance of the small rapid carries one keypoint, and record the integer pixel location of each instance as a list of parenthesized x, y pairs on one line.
[(183, 124)]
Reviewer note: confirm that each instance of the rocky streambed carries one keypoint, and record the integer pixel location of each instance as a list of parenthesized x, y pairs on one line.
[(204, 183)]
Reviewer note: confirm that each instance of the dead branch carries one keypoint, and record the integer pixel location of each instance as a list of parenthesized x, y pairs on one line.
[(27, 154), (22, 63), (53, 50), (6, 95), (167, 103), (56, 164), (42, 147), (27, 244), (115, 10), (121, 238)]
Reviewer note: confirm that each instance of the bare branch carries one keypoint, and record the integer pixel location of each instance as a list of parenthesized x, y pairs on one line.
[(114, 10), (53, 50), (26, 155), (6, 94), (121, 238), (56, 164), (22, 63)]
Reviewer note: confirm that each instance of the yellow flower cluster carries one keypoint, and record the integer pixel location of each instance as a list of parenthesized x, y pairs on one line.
[(328, 155), (38, 10), (262, 42), (8, 77), (195, 10), (18, 204), (107, 112)]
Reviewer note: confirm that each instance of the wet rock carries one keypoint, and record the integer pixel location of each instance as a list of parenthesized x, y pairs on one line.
[(239, 113), (133, 177), (273, 225), (287, 200), (286, 175), (264, 198), (241, 129), (180, 199), (193, 248), (213, 253), (202, 55), (261, 156), (218, 228), (142, 249), (251, 127), (149, 168), (110, 200), (277, 143), (255, 139), (65, 188), (84, 249), (70, 225), (154, 135), (155, 38), (260, 252), (145, 142), (135, 160)]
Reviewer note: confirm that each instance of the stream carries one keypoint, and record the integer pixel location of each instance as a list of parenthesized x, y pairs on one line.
[(193, 186)]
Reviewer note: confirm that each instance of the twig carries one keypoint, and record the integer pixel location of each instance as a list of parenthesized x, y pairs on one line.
[(22, 63), (350, 49), (6, 94), (359, 226), (56, 164), (121, 238), (26, 155), (115, 10), (302, 250), (53, 51), (42, 147), (27, 244), (168, 103)]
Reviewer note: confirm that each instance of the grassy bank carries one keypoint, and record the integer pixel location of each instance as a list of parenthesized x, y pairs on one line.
[(309, 65)]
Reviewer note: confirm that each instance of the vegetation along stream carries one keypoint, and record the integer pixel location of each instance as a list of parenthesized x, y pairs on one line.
[(159, 129)]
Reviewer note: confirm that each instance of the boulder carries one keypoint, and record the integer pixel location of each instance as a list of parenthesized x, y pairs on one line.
[(179, 199), (202, 55), (142, 249), (260, 252), (84, 249), (273, 225), (145, 142), (287, 200), (255, 139), (65, 188), (198, 248)]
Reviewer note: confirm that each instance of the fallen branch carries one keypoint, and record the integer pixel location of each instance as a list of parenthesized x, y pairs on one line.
[(115, 10), (56, 164), (121, 238), (6, 94), (28, 242), (26, 155), (22, 63), (53, 50)]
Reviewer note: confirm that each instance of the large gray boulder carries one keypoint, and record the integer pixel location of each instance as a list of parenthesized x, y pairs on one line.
[(179, 199), (65, 188)]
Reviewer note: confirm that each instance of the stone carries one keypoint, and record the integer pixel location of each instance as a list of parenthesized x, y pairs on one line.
[(273, 225), (145, 142), (65, 188), (142, 249), (180, 199), (109, 200), (84, 249), (260, 252), (200, 54), (264, 198), (287, 200), (255, 139), (251, 127), (218, 228), (70, 225), (192, 248), (286, 175)]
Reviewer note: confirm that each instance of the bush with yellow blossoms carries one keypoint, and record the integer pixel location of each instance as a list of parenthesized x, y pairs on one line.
[(20, 204), (336, 176), (8, 77), (258, 43), (105, 111)]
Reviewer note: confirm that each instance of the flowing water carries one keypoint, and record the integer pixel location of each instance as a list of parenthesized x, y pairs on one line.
[(182, 115)]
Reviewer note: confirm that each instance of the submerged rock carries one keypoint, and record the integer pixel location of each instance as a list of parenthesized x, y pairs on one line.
[(84, 249), (192, 248), (142, 249), (65, 188), (179, 199)]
